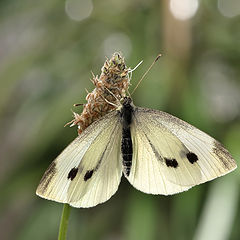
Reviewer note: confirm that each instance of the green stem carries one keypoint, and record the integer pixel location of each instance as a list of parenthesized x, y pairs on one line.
[(64, 222)]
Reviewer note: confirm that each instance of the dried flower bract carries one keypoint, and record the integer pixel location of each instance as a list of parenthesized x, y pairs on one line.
[(109, 87)]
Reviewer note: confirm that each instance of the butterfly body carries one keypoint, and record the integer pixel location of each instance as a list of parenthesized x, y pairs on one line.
[(157, 152), (126, 112)]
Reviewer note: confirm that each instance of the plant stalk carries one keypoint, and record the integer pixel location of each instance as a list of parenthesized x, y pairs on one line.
[(62, 234)]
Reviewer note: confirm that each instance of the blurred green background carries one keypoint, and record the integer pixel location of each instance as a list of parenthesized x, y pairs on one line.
[(47, 52)]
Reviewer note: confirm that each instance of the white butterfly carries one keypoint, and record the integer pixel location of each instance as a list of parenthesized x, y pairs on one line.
[(157, 152)]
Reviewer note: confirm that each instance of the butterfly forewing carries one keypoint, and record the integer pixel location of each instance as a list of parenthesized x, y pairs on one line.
[(89, 170), (99, 181), (213, 159), (171, 156)]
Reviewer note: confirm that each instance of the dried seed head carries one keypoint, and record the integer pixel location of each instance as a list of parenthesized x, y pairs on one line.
[(110, 87)]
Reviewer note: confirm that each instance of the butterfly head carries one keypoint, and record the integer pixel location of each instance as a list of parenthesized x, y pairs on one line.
[(127, 102)]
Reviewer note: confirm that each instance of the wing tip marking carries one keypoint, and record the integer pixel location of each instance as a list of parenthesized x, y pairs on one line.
[(46, 179), (222, 154)]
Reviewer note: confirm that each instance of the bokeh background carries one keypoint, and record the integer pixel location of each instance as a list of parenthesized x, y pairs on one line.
[(47, 52)]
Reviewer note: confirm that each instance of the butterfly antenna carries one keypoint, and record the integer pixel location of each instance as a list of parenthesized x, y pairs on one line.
[(143, 76), (131, 70), (129, 93), (115, 105)]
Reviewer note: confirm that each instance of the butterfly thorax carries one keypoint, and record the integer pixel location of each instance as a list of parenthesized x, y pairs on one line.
[(126, 112)]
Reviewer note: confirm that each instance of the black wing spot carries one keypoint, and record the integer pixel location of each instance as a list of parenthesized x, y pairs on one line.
[(192, 157), (72, 174), (88, 175), (171, 162)]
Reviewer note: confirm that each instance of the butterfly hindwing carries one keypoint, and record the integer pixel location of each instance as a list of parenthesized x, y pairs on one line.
[(89, 170), (171, 156)]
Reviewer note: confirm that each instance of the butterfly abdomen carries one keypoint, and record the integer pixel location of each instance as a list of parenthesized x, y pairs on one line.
[(126, 146)]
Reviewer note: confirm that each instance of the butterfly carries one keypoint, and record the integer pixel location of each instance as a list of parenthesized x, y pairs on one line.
[(157, 153)]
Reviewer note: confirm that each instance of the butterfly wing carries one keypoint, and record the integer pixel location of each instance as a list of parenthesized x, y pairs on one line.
[(171, 156), (89, 170)]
